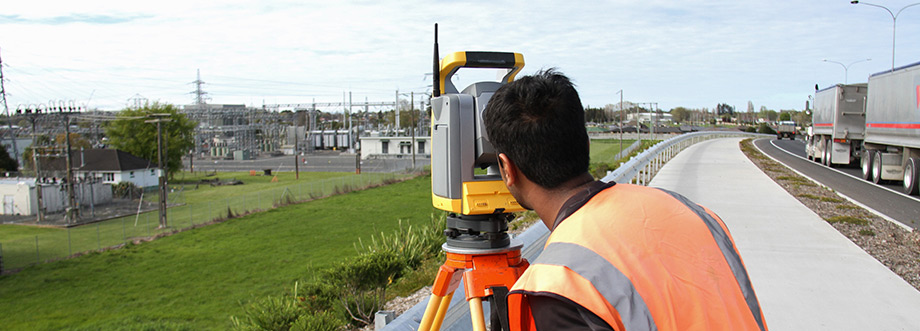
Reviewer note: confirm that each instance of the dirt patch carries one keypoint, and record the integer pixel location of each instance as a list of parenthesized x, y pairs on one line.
[(890, 244)]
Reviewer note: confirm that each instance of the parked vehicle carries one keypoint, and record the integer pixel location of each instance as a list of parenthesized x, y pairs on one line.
[(839, 122), (892, 135)]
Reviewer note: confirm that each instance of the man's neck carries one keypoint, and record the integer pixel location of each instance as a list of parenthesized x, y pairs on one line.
[(548, 202)]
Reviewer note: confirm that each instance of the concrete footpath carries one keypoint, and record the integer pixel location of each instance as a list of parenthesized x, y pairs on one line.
[(807, 275)]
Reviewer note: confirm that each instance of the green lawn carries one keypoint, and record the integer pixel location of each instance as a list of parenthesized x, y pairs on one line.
[(604, 150), (10, 232), (185, 186), (197, 279), (24, 246)]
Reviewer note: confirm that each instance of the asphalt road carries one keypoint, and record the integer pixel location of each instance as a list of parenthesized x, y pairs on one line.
[(886, 199), (320, 162)]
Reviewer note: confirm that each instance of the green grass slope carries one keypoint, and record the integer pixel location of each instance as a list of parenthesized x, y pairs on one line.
[(197, 279)]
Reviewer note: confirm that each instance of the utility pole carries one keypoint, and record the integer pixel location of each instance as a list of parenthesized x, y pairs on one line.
[(72, 211), (620, 125), (396, 113), (412, 115), (159, 118), (9, 118), (40, 215), (296, 161)]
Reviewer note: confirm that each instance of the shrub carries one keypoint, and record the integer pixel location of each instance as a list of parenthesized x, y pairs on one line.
[(361, 283), (317, 321), (307, 309), (269, 313), (411, 243), (126, 190), (599, 169), (764, 128)]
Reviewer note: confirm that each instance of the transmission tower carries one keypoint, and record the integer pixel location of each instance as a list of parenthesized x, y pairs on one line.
[(200, 95), (9, 119)]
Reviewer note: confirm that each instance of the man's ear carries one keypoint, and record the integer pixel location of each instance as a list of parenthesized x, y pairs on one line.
[(508, 170)]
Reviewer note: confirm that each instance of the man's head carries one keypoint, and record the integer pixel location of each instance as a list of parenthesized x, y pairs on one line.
[(539, 123)]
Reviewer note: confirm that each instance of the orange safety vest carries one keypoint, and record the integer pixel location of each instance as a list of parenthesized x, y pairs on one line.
[(643, 259)]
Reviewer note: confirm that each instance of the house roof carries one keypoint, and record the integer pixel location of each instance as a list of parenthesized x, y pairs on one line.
[(100, 160)]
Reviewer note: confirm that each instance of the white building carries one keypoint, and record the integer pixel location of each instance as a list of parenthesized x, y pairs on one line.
[(394, 147), (112, 166), (649, 117)]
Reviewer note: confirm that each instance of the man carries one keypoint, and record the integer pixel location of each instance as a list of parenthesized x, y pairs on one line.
[(620, 256)]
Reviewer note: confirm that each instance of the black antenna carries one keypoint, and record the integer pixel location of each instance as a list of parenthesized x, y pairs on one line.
[(436, 70)]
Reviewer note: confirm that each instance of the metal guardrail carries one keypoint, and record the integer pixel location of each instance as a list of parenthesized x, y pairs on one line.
[(640, 169)]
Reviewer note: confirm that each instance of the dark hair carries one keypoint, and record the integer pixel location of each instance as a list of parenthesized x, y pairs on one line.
[(538, 121)]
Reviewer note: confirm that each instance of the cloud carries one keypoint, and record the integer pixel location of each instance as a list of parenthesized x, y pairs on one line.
[(73, 18)]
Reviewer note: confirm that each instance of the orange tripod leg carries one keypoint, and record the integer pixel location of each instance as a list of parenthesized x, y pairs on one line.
[(480, 272), (442, 291)]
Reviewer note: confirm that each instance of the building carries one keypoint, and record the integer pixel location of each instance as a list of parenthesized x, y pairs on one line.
[(394, 147), (649, 117), (112, 166), (20, 195)]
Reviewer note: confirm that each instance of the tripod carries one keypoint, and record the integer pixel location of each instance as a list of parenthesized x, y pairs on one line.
[(489, 264)]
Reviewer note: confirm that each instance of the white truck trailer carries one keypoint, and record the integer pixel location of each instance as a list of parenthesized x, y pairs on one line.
[(892, 136), (838, 124)]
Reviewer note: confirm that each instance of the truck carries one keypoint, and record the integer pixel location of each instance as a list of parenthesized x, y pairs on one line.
[(785, 129), (838, 125), (891, 148)]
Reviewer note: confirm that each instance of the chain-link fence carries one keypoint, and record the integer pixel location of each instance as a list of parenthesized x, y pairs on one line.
[(23, 251)]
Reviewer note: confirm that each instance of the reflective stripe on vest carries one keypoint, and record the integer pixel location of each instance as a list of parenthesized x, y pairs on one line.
[(643, 259), (607, 279)]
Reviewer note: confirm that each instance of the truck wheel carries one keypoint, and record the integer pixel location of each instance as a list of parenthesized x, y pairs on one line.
[(877, 167), (912, 176), (827, 155), (866, 164)]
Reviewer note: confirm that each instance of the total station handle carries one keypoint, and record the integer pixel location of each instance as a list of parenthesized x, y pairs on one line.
[(514, 62)]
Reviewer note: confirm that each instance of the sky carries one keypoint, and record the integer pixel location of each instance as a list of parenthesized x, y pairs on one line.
[(692, 53)]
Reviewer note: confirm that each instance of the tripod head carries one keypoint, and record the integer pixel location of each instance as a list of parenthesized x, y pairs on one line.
[(479, 203)]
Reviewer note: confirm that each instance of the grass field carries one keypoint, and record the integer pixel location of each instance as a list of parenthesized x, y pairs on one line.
[(604, 150), (22, 246), (196, 279), (186, 188)]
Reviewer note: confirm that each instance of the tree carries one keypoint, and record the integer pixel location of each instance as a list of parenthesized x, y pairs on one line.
[(725, 109), (7, 163), (595, 115), (131, 134), (76, 141), (785, 116), (680, 114)]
